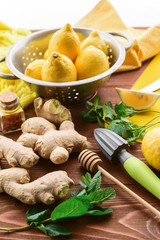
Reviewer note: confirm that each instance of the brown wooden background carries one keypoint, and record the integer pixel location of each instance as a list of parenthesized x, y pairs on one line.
[(129, 220)]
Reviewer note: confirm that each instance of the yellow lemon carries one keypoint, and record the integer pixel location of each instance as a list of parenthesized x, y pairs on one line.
[(58, 68), (151, 147), (138, 100), (46, 54), (91, 62), (66, 42), (33, 70), (95, 40)]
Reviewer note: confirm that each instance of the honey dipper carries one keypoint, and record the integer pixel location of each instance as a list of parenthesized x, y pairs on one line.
[(91, 162)]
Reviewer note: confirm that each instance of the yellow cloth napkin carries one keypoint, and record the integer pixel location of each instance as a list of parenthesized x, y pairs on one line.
[(146, 43), (150, 74)]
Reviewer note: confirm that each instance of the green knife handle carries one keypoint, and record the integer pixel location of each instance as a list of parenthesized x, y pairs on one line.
[(139, 171)]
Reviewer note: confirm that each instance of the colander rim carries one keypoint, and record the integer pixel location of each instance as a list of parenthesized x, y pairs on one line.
[(20, 75)]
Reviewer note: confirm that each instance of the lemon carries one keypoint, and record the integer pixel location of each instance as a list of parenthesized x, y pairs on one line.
[(33, 70), (58, 68), (46, 54), (91, 62), (138, 100), (66, 42), (95, 40), (151, 147)]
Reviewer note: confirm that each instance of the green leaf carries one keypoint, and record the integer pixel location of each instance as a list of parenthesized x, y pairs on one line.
[(42, 228), (73, 207), (89, 105), (87, 179), (99, 122), (98, 211), (118, 127), (130, 111), (74, 193), (82, 193), (96, 101), (120, 110), (82, 184), (95, 183), (88, 116), (102, 195), (53, 229), (108, 111), (105, 111), (35, 215)]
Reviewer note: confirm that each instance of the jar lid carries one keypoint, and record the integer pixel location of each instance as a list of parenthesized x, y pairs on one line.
[(8, 98)]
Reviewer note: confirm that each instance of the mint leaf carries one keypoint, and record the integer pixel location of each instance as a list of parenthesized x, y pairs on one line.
[(89, 105), (74, 193), (95, 183), (96, 101), (73, 207), (82, 184), (87, 179), (53, 229), (42, 228), (99, 122), (35, 215), (88, 116), (119, 127), (102, 195), (130, 111), (120, 110), (108, 111), (98, 211)]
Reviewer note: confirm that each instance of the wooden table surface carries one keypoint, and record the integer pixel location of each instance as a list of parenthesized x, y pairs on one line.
[(129, 221)]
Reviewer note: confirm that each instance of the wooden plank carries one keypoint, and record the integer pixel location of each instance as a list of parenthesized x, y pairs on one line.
[(129, 220)]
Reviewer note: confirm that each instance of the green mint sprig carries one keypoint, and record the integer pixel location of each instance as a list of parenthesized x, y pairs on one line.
[(80, 202), (116, 118)]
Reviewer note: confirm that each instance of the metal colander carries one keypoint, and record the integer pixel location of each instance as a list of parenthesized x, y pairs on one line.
[(33, 47)]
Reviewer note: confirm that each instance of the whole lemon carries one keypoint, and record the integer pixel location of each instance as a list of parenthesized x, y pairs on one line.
[(91, 62), (33, 70), (151, 147), (66, 42), (58, 68), (46, 54), (95, 40)]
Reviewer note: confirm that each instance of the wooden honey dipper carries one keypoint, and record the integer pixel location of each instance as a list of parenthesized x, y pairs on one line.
[(91, 162)]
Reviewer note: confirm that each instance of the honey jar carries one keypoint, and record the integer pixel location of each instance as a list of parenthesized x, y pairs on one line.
[(11, 112)]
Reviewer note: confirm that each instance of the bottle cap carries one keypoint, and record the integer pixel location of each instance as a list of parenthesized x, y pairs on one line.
[(8, 98)]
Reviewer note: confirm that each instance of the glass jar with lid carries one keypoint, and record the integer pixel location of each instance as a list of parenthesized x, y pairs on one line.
[(11, 112)]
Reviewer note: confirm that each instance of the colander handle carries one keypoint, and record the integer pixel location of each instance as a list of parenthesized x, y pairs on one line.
[(124, 35), (5, 75)]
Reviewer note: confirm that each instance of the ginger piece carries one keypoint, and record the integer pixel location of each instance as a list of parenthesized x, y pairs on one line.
[(52, 110), (53, 144), (46, 189), (16, 154)]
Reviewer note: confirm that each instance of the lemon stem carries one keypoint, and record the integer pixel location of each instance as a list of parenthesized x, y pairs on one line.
[(55, 55)]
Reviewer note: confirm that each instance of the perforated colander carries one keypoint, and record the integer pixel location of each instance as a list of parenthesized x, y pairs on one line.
[(33, 47)]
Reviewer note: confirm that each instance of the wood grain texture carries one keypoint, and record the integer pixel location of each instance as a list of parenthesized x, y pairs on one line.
[(129, 220)]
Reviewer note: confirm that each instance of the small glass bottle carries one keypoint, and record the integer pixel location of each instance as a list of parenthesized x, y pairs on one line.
[(11, 112)]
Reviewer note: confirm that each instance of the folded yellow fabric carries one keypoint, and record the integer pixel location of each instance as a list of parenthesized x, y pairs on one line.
[(150, 74), (146, 43), (26, 93)]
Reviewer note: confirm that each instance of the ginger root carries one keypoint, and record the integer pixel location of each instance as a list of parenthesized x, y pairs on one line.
[(52, 144), (16, 154), (52, 110), (46, 189)]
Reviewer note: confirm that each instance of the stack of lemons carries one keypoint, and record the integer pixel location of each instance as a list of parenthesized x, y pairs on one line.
[(68, 59)]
